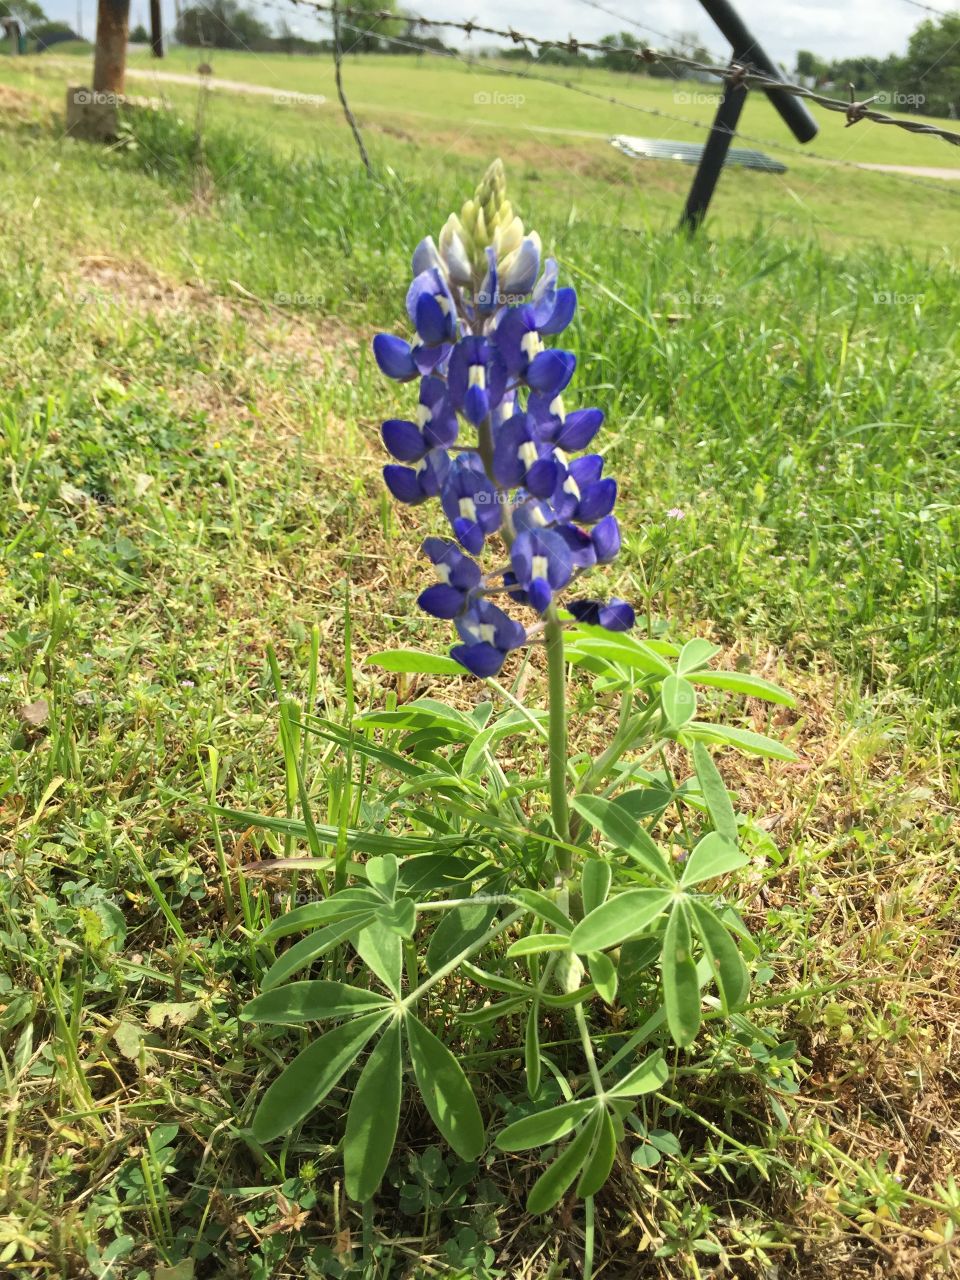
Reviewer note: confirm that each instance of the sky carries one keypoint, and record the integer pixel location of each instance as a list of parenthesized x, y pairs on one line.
[(857, 27)]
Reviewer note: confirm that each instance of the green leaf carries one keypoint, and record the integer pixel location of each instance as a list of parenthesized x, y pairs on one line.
[(414, 662), (531, 1049), (646, 1077), (597, 1169), (618, 825), (715, 794), (695, 653), (595, 883), (446, 1091), (400, 916), (679, 701), (624, 651), (603, 974), (534, 943), (381, 949), (752, 686), (713, 856), (491, 1012), (553, 1183), (362, 841), (459, 928), (373, 1117), (310, 948), (723, 956), (311, 1075), (681, 990), (353, 902), (310, 1001), (544, 1127), (619, 918), (754, 744), (382, 875), (544, 907)]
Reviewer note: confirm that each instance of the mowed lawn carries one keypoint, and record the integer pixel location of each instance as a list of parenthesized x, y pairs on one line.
[(189, 443)]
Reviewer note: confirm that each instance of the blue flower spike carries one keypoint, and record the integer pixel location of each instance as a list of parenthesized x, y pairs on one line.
[(490, 436)]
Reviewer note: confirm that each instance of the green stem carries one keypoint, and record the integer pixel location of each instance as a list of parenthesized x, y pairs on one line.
[(557, 706)]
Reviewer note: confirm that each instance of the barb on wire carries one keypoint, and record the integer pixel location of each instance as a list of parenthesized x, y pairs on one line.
[(854, 112)]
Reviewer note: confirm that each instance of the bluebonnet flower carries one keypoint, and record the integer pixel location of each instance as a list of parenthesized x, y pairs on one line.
[(481, 304)]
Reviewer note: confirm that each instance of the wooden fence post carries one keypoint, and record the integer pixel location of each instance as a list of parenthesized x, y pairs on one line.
[(156, 29), (110, 57)]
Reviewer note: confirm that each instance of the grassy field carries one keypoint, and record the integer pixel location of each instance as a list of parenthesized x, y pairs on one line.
[(440, 111), (189, 441)]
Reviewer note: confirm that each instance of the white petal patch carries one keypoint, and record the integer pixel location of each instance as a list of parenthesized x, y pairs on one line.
[(539, 567), (477, 377), (570, 486), (556, 406), (468, 509), (443, 572), (424, 415), (487, 632), (530, 344), (527, 453)]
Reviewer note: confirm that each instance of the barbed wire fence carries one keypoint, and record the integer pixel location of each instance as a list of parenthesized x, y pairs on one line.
[(743, 75)]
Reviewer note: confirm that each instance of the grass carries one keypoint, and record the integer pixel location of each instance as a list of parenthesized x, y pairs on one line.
[(421, 115), (189, 441)]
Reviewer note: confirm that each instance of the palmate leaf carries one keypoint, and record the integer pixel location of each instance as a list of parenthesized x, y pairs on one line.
[(311, 1075), (446, 1091), (311, 948), (623, 831), (373, 1117), (715, 794), (603, 973), (382, 875), (414, 662), (714, 855), (534, 943), (695, 654), (558, 1177), (752, 686), (619, 918), (595, 883), (723, 956), (349, 902), (532, 1062), (646, 1077), (755, 744), (678, 698), (681, 988), (381, 949), (597, 1168), (310, 1001), (544, 1127), (459, 929)]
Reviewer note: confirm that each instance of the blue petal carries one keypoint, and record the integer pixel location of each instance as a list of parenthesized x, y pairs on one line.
[(404, 484), (469, 534), (520, 276), (579, 428), (479, 659), (508, 468), (433, 323), (441, 601), (403, 440), (597, 501), (606, 539), (617, 615), (550, 371), (542, 477), (563, 312), (476, 404), (394, 356), (540, 594)]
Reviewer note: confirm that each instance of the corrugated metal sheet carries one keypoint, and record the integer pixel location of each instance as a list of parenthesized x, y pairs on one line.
[(690, 153)]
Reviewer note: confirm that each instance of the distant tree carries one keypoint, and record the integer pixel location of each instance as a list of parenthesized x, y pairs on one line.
[(29, 13), (222, 24), (931, 68), (139, 34), (367, 33)]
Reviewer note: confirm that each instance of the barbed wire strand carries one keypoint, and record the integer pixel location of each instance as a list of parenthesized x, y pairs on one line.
[(744, 75), (475, 67)]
